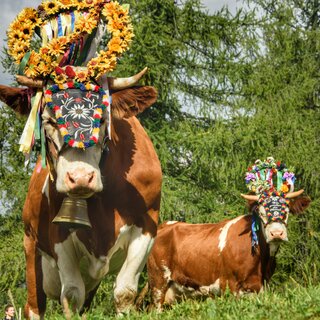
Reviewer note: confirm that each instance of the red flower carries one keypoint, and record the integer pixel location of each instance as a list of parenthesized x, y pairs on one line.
[(70, 85), (56, 108), (48, 92), (58, 70), (71, 142), (69, 72)]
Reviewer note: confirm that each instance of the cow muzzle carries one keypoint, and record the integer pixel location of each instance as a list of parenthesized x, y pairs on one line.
[(82, 183), (277, 232)]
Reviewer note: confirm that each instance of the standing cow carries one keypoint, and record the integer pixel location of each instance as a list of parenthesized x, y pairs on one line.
[(194, 260), (123, 190)]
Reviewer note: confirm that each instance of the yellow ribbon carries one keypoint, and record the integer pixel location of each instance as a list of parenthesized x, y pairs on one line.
[(28, 131)]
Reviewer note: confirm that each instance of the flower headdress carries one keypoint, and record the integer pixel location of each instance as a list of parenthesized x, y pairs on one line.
[(67, 29), (262, 174)]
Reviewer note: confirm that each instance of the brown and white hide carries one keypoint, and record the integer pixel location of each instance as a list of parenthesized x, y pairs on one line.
[(123, 206), (201, 260)]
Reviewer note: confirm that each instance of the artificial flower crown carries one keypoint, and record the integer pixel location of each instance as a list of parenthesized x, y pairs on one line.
[(67, 28), (261, 175)]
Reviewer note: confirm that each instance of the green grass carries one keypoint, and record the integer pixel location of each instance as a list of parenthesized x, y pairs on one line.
[(291, 301)]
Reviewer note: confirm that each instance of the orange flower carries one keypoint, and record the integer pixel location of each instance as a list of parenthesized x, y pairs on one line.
[(56, 46), (86, 24), (284, 188), (115, 45), (81, 76)]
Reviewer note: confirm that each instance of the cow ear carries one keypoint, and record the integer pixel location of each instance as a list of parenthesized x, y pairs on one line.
[(298, 205), (17, 99), (132, 101)]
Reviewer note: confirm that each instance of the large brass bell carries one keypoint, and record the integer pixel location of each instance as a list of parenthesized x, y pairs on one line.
[(73, 213)]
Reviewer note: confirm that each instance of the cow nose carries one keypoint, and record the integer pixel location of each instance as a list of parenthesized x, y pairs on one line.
[(277, 234), (80, 179)]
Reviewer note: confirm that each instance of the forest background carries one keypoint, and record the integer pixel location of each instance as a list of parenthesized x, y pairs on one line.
[(232, 88)]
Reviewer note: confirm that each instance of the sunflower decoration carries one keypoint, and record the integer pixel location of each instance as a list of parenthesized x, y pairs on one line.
[(66, 29)]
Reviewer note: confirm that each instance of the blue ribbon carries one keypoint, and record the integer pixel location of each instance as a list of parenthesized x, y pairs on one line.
[(254, 228), (72, 20), (60, 29)]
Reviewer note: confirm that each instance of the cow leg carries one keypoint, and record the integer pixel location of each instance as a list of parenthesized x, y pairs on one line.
[(126, 285), (36, 298), (73, 289)]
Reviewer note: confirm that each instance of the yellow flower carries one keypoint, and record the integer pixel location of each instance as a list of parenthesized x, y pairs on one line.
[(81, 4), (44, 68), (86, 24), (34, 58), (50, 7), (31, 71), (115, 45), (81, 76), (56, 46), (60, 79), (15, 35)]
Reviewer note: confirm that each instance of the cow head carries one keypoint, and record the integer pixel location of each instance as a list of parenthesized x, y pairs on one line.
[(77, 170), (273, 209)]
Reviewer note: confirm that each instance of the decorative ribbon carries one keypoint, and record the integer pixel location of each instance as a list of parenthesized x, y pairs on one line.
[(27, 137), (254, 229), (72, 20), (60, 28), (43, 148), (279, 180)]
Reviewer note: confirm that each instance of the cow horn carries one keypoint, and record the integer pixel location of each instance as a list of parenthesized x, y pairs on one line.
[(250, 197), (295, 194), (123, 83), (28, 82)]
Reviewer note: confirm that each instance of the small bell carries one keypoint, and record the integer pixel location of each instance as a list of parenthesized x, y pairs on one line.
[(73, 213)]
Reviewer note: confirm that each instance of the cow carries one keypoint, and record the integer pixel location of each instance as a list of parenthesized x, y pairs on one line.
[(121, 180), (200, 260)]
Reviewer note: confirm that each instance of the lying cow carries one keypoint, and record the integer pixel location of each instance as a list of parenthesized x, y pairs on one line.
[(68, 264), (194, 260)]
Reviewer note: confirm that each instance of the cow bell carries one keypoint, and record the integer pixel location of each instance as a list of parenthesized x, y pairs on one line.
[(73, 213)]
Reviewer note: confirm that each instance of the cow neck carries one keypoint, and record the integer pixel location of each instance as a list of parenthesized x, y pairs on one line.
[(268, 262)]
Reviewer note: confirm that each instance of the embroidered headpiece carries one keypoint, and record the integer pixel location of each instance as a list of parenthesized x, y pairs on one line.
[(269, 176)]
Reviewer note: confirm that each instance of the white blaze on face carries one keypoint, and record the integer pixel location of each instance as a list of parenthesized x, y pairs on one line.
[(273, 230), (224, 232), (77, 170)]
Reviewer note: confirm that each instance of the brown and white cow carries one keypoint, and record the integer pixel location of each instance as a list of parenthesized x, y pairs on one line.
[(123, 207), (196, 260)]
